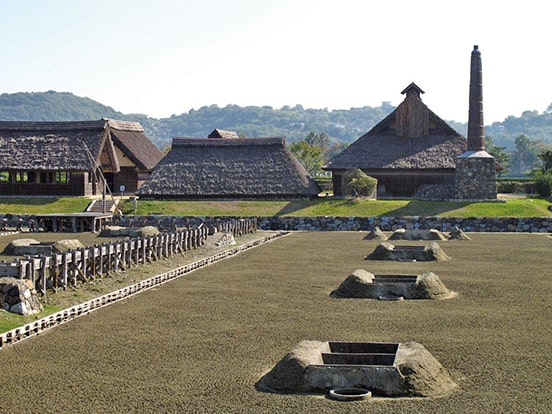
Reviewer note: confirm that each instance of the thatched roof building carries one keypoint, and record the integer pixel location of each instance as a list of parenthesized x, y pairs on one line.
[(412, 147), (62, 158), (232, 167)]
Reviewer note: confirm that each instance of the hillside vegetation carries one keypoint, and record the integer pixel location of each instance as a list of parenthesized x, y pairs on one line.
[(292, 122)]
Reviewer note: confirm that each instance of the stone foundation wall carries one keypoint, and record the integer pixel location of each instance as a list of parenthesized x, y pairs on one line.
[(19, 296), (475, 178), (474, 224)]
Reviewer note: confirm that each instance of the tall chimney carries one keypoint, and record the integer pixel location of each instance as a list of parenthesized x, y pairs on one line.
[(476, 129)]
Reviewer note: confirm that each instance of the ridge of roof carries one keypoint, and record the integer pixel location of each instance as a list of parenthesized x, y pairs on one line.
[(197, 142), (124, 125), (222, 133), (50, 125)]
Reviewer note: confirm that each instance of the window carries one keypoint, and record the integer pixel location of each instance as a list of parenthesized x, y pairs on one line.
[(22, 176), (62, 177)]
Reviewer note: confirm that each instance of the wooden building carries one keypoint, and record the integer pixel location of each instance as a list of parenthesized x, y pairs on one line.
[(66, 158), (409, 149), (225, 166)]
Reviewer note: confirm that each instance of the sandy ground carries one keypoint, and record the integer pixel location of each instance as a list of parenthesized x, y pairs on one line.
[(199, 343)]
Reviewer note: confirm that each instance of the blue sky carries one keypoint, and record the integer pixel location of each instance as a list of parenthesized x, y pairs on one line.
[(166, 57)]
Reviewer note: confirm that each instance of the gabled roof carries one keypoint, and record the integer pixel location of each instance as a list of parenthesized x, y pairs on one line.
[(221, 133), (410, 137), (130, 138), (63, 145), (229, 168), (54, 145)]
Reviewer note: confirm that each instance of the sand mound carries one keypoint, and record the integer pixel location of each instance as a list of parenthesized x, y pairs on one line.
[(118, 231), (413, 372), (457, 234), (27, 247), (365, 285), (68, 244), (387, 251), (375, 234), (403, 234)]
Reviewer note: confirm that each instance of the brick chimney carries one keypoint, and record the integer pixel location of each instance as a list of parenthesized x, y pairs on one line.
[(475, 169), (476, 129)]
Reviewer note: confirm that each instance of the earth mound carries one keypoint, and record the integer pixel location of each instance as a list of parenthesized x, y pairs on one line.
[(410, 370), (432, 234), (377, 233), (68, 244), (118, 231), (387, 251), (362, 284), (27, 247), (457, 234)]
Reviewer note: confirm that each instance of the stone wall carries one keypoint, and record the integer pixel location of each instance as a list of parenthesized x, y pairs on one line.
[(19, 296), (475, 177), (479, 224), (330, 223)]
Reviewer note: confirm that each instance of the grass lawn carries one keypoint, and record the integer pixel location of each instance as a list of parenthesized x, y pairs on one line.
[(511, 207), (198, 344), (516, 207), (42, 205)]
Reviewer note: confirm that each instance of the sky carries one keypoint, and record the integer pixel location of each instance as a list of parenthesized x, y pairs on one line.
[(165, 57)]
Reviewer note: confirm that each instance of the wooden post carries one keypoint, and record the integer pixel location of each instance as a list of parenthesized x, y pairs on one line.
[(64, 269)]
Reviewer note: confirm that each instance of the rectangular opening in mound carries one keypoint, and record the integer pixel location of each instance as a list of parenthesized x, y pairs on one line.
[(360, 353), (395, 279), (409, 248)]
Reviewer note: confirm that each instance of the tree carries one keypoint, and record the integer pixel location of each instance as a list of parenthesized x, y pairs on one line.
[(546, 157), (310, 156), (318, 139), (501, 156), (525, 154), (358, 184)]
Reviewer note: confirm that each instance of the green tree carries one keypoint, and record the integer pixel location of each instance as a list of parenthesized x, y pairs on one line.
[(358, 184), (310, 156), (500, 154), (525, 155), (546, 157), (318, 139)]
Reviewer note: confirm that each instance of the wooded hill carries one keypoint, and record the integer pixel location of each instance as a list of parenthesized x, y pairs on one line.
[(294, 123)]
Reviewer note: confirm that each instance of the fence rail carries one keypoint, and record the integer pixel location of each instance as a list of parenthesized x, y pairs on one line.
[(18, 334), (60, 270)]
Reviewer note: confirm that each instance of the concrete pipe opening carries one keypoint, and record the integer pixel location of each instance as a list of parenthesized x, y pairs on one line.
[(350, 394)]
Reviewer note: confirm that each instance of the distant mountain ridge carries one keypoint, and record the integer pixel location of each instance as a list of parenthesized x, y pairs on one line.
[(294, 123)]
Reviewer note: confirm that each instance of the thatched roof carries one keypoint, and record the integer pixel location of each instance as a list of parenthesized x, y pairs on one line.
[(229, 168), (221, 133), (130, 139), (410, 137), (41, 146), (51, 145)]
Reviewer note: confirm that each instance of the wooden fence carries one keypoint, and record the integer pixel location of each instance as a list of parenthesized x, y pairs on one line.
[(60, 270), (34, 328)]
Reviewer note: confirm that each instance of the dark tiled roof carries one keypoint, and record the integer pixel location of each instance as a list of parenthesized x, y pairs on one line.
[(229, 168), (425, 141), (50, 145)]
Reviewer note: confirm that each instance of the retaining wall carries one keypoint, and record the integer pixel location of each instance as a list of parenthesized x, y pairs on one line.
[(473, 224)]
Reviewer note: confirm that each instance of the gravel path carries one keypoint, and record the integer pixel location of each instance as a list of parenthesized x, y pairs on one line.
[(199, 343)]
